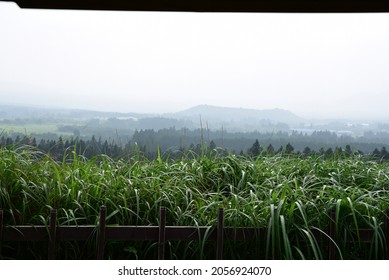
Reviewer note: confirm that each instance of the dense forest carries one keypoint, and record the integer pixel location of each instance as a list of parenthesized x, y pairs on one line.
[(175, 143)]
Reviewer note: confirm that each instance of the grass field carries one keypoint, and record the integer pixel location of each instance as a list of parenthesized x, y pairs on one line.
[(289, 195), (32, 129)]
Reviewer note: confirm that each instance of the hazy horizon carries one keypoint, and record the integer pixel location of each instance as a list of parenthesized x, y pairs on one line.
[(314, 65)]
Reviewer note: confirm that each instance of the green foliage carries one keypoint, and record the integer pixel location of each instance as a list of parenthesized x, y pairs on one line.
[(290, 195)]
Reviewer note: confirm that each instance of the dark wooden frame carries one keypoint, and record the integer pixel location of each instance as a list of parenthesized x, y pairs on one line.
[(290, 6), (161, 233)]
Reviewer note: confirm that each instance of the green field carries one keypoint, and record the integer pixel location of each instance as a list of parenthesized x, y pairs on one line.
[(289, 195), (32, 129)]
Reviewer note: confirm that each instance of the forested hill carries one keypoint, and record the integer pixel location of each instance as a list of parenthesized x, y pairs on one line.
[(238, 114), (237, 119), (215, 117), (232, 129), (11, 112)]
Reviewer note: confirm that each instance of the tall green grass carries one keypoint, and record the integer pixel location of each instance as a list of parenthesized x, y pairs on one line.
[(289, 195)]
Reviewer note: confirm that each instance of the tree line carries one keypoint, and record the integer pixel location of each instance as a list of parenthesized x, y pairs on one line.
[(175, 143)]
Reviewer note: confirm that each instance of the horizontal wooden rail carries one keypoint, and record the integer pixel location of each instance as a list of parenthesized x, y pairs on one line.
[(128, 233), (212, 5), (55, 233)]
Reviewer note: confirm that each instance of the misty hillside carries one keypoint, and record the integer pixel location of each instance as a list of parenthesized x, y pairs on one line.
[(212, 117), (26, 111), (227, 115), (206, 112), (205, 116)]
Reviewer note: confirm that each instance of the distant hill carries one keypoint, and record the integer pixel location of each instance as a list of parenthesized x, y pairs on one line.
[(206, 116), (226, 114), (27, 111)]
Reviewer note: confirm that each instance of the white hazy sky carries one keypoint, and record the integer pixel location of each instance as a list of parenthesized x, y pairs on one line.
[(316, 65)]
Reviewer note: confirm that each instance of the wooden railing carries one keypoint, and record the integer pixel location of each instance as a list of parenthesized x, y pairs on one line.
[(54, 233)]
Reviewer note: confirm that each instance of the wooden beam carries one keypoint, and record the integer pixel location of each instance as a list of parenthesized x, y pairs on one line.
[(253, 6)]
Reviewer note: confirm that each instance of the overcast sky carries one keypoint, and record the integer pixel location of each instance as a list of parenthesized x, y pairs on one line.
[(315, 65)]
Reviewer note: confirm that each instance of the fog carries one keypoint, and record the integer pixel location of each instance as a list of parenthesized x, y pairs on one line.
[(315, 65)]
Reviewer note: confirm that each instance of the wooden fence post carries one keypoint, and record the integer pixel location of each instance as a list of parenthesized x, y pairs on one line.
[(332, 234), (220, 230), (162, 233), (53, 234), (1, 231), (386, 232), (101, 236)]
